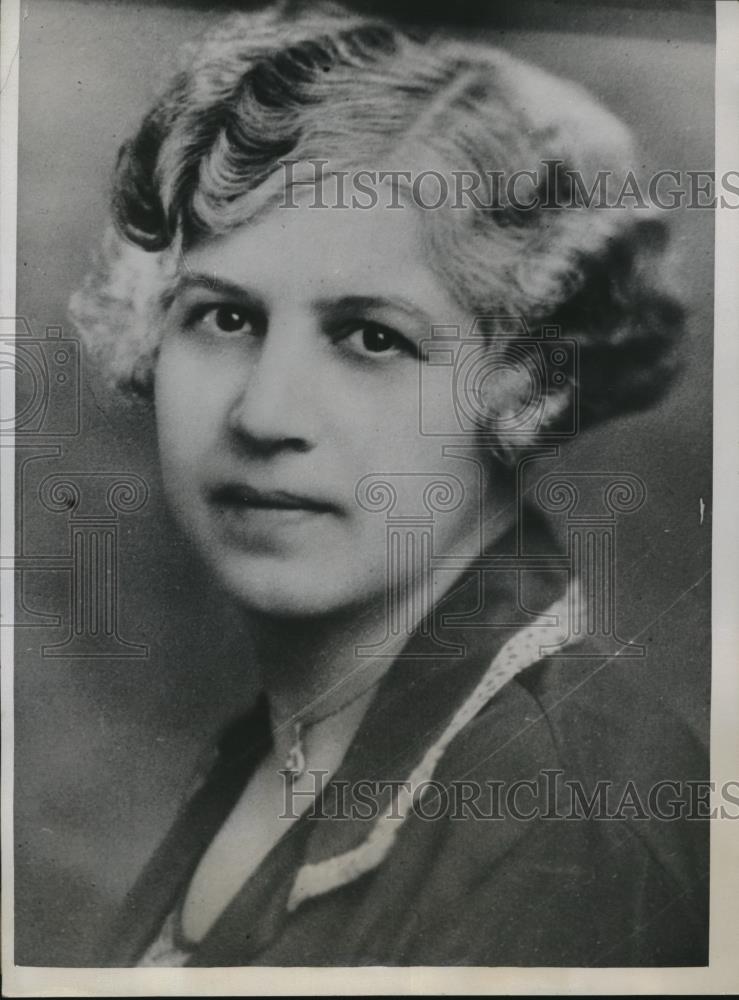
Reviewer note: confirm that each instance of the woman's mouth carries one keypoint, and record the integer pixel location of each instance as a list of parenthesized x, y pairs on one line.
[(242, 496)]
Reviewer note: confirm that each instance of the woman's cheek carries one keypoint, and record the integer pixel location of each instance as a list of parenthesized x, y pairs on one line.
[(188, 394)]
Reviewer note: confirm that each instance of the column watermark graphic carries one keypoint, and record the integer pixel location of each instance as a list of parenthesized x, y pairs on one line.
[(87, 506), (409, 545), (502, 390), (93, 504)]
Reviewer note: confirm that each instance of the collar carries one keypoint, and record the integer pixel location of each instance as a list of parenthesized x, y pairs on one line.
[(493, 616), (422, 709), (491, 625)]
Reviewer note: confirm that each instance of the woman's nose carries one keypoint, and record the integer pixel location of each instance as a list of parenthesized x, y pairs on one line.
[(272, 408)]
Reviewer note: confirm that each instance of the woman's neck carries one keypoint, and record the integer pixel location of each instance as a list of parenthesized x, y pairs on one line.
[(311, 669)]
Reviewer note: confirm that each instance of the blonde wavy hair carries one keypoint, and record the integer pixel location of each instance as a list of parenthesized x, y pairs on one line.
[(362, 92)]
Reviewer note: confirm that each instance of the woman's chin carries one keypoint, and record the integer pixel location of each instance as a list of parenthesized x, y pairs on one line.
[(293, 591)]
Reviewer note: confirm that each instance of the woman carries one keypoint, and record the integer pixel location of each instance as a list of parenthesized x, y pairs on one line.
[(298, 300)]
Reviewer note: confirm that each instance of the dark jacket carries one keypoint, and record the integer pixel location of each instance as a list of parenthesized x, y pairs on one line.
[(504, 874)]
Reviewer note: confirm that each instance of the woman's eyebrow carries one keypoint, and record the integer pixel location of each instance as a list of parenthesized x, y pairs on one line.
[(350, 305), (188, 279)]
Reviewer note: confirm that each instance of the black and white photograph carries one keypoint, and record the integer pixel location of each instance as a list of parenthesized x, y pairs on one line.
[(361, 370)]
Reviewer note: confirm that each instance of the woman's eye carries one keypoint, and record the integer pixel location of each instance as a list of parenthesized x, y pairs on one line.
[(374, 339), (224, 319)]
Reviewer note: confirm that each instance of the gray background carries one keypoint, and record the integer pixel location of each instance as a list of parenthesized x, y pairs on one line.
[(105, 747)]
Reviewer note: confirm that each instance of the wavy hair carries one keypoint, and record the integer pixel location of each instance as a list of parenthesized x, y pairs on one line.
[(358, 91)]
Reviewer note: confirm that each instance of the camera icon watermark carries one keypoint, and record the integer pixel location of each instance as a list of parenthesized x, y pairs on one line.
[(47, 380), (499, 380)]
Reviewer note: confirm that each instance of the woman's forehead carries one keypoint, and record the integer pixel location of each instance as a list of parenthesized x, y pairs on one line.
[(314, 249)]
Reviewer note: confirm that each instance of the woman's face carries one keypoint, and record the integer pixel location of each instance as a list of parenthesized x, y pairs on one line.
[(290, 369)]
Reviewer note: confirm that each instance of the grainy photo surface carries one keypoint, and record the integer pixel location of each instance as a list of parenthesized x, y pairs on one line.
[(363, 370)]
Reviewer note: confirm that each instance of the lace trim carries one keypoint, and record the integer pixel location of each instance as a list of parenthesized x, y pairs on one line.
[(522, 650)]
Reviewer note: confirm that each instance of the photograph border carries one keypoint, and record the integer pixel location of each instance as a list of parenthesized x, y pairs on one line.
[(722, 974)]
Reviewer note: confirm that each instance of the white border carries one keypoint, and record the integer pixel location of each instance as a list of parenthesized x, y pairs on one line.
[(724, 957), (722, 976), (9, 59)]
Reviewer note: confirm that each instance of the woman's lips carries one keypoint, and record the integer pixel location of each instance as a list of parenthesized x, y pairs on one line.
[(247, 497), (249, 515)]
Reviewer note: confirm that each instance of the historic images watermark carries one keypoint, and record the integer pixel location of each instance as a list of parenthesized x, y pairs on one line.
[(553, 185), (549, 795)]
